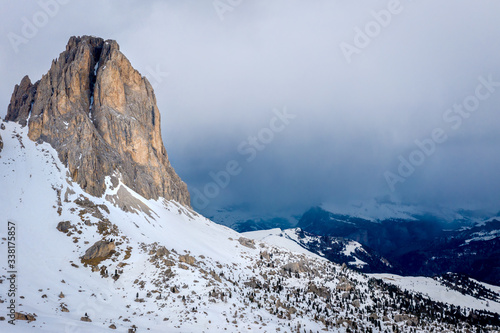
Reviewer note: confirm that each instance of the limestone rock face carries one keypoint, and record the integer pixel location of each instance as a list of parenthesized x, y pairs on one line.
[(21, 101), (100, 115)]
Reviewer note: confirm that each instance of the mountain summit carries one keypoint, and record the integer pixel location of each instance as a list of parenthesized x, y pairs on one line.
[(100, 115)]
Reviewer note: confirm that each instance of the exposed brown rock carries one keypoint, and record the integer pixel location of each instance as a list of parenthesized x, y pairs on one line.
[(215, 276), (127, 202), (23, 316), (265, 255), (187, 259), (99, 251), (100, 115), (297, 267), (21, 101), (318, 290), (247, 242), (64, 226), (345, 286), (2, 127), (162, 252)]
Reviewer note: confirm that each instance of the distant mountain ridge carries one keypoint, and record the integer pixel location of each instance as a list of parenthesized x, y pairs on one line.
[(419, 246), (411, 240), (336, 249)]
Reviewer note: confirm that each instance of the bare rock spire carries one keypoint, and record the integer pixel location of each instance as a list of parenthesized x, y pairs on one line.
[(100, 115), (21, 101)]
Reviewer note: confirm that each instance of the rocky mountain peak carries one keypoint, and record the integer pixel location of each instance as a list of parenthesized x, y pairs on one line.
[(100, 114)]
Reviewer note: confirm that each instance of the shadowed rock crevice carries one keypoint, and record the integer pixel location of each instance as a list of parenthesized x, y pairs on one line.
[(100, 115)]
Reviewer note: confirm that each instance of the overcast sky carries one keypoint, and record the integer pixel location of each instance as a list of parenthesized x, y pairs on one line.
[(356, 84)]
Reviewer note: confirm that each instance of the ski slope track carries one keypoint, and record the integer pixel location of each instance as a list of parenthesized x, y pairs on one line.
[(165, 268)]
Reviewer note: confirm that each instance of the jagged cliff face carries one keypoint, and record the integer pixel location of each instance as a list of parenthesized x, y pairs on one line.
[(100, 114)]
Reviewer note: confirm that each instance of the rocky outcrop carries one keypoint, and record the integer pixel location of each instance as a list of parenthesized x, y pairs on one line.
[(21, 101), (99, 251), (24, 316), (297, 267), (64, 226), (187, 259), (250, 243), (2, 127), (345, 286), (321, 291), (100, 115)]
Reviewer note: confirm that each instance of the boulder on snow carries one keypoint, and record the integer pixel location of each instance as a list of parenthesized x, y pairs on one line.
[(162, 251), (297, 267), (187, 259), (247, 242), (98, 252), (64, 226), (21, 316)]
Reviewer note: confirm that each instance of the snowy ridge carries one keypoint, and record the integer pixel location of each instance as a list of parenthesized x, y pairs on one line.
[(286, 239), (351, 249)]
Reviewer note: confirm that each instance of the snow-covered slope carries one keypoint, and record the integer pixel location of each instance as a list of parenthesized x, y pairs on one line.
[(335, 249), (164, 268), (438, 292), (281, 238)]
